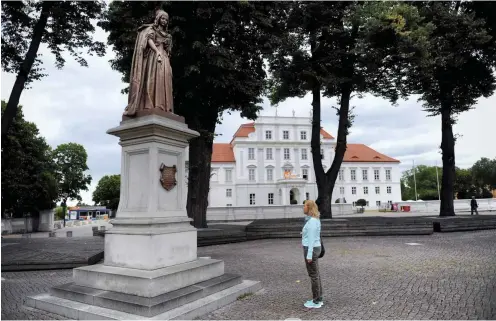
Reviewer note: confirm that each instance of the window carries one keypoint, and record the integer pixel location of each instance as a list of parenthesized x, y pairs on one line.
[(353, 174), (252, 199), (376, 174), (340, 174), (251, 174), (365, 175), (307, 195), (270, 174), (322, 154), (285, 134), (388, 174), (388, 189), (365, 190), (251, 153), (390, 203), (353, 190), (341, 190), (377, 190), (303, 135), (229, 192), (304, 173), (271, 198), (268, 134), (286, 153), (378, 203), (228, 205), (304, 155), (268, 153), (228, 175)]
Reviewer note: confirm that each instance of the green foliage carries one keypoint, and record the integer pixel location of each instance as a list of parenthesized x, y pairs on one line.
[(107, 192), (426, 183), (28, 183), (359, 43), (68, 29), (337, 201), (59, 213), (458, 66), (467, 182), (70, 167), (484, 172), (361, 202)]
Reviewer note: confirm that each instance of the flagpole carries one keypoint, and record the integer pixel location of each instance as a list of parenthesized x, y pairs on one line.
[(414, 179), (437, 177)]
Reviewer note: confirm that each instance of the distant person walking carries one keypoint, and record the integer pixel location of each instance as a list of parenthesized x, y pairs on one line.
[(473, 206), (311, 251)]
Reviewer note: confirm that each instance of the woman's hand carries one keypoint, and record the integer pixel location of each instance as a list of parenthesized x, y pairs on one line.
[(159, 58)]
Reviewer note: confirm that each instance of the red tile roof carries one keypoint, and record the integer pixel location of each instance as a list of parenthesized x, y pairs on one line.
[(245, 129), (222, 153), (325, 134), (364, 154)]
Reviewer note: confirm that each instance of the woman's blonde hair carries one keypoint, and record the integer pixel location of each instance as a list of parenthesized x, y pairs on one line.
[(313, 209)]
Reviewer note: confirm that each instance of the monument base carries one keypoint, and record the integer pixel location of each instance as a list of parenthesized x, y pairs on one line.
[(151, 269), (188, 304)]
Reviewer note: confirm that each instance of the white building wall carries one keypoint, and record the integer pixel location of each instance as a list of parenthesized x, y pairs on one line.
[(261, 186)]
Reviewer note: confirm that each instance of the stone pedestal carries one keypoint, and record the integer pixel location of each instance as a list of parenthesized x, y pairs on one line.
[(151, 268)]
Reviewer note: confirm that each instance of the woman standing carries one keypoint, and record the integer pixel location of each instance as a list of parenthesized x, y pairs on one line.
[(311, 250)]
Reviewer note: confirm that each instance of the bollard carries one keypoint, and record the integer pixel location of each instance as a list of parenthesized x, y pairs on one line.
[(51, 234), (69, 233)]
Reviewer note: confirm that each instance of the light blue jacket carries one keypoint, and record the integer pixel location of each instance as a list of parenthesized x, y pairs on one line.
[(311, 235)]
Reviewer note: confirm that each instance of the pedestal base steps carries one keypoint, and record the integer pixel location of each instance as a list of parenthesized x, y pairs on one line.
[(184, 291)]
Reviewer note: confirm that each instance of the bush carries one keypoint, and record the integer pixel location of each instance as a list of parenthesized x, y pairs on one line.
[(59, 213), (293, 202), (337, 200), (361, 202)]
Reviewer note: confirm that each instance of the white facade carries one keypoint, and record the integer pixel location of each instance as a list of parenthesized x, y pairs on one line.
[(263, 152)]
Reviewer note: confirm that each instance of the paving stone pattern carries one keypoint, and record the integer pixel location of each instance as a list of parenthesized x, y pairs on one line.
[(447, 276), (50, 250)]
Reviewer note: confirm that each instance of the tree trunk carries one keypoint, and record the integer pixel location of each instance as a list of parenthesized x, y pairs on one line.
[(27, 64), (341, 141), (200, 156), (448, 150), (320, 177)]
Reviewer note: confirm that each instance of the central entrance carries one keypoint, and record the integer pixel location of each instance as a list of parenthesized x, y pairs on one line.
[(294, 196)]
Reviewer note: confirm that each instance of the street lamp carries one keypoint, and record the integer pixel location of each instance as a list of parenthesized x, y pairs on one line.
[(64, 204)]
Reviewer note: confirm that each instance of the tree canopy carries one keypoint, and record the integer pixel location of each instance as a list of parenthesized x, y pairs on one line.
[(107, 192), (218, 66), (28, 181), (339, 49), (456, 71), (70, 167), (467, 183), (64, 26)]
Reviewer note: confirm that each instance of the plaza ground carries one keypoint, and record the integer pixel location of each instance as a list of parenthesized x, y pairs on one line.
[(439, 276)]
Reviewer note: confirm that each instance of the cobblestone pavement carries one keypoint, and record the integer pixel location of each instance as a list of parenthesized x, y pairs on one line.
[(50, 250), (440, 276)]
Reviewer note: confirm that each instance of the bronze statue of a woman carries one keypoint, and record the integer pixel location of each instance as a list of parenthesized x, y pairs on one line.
[(151, 73)]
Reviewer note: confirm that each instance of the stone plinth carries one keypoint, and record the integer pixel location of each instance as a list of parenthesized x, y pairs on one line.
[(151, 268)]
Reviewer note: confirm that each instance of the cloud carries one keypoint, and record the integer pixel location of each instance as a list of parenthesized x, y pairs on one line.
[(78, 104)]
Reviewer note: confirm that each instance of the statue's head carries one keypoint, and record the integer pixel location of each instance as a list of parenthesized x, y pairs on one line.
[(161, 18)]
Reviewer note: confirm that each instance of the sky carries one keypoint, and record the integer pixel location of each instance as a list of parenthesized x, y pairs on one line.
[(79, 104)]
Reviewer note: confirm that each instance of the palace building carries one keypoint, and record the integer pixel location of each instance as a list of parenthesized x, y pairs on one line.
[(269, 162)]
